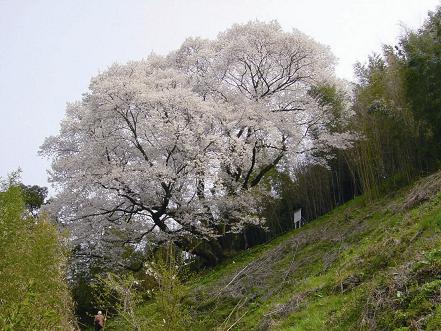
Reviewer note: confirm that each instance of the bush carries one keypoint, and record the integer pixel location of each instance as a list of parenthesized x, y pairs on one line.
[(161, 285), (33, 290)]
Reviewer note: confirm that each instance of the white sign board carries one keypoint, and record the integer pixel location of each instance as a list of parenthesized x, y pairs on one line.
[(298, 215)]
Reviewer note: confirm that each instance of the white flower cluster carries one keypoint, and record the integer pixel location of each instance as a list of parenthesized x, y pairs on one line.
[(178, 145)]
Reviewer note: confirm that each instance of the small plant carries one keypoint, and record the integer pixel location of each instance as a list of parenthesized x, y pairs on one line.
[(168, 269), (161, 285), (118, 293)]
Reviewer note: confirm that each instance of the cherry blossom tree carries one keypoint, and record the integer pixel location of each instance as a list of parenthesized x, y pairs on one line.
[(177, 146)]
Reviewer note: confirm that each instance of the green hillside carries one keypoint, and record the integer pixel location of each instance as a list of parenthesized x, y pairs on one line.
[(373, 266)]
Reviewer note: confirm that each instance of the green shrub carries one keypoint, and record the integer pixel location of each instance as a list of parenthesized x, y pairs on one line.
[(33, 291), (161, 286)]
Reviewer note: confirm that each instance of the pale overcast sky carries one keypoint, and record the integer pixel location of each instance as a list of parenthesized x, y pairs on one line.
[(49, 49)]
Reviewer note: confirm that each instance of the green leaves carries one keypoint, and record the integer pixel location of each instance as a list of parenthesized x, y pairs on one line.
[(33, 291)]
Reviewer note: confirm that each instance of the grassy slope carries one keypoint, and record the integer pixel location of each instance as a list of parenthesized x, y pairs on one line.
[(361, 267)]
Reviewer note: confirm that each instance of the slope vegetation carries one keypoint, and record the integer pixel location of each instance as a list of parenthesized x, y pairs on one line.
[(363, 266), (373, 266)]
